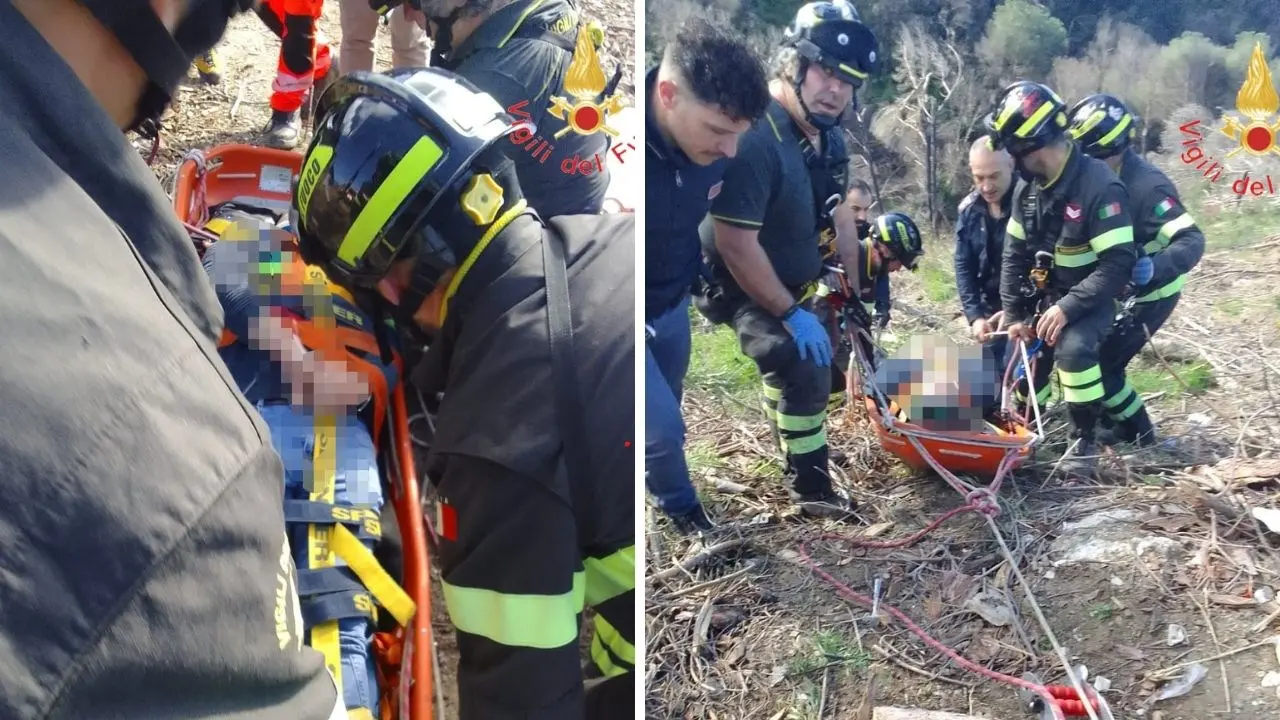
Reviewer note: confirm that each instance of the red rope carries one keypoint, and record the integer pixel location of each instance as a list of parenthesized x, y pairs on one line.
[(1048, 693), (981, 500)]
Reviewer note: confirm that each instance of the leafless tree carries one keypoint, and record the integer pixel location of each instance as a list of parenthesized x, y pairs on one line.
[(929, 72)]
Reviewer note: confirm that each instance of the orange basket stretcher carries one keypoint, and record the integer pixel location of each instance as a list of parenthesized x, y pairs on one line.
[(990, 455), (263, 177)]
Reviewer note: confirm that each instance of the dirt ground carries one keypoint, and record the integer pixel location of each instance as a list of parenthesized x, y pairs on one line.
[(237, 111), (740, 626)]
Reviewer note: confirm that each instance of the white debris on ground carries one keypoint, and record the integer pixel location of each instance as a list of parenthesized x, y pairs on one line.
[(1110, 537)]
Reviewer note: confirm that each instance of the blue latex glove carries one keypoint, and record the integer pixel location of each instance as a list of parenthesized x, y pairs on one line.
[(1143, 271), (811, 337)]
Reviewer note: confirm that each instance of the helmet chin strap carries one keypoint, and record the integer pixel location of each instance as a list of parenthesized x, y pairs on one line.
[(442, 42)]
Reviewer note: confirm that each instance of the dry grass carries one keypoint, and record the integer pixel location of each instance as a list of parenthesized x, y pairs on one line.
[(749, 630)]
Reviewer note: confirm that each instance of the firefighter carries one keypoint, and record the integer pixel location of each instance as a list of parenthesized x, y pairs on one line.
[(305, 62), (146, 569), (1076, 210), (407, 199), (1172, 244), (860, 200), (694, 118), (526, 54), (980, 229), (892, 242), (782, 200)]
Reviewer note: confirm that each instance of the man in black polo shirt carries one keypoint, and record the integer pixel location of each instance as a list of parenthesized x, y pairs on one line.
[(781, 195), (695, 114), (980, 232)]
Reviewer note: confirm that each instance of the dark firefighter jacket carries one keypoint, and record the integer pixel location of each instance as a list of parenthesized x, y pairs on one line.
[(520, 56), (1161, 226), (142, 540), (1082, 218), (979, 247), (492, 361)]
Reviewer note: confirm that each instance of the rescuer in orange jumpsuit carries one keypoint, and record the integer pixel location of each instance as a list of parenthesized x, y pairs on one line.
[(304, 62)]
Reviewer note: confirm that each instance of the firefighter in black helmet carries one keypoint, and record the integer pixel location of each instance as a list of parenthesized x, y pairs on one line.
[(408, 200), (146, 573), (781, 202), (536, 58), (1072, 206), (1167, 235)]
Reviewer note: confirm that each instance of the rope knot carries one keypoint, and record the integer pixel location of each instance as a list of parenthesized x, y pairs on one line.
[(984, 501)]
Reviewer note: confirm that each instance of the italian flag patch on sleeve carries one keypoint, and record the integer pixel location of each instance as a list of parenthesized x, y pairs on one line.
[(1109, 210), (1165, 206)]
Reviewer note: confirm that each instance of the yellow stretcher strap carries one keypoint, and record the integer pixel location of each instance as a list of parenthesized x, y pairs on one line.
[(379, 582), (324, 636)]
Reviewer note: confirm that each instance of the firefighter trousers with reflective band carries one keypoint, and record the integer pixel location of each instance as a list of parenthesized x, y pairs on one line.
[(1075, 358), (1123, 404), (796, 393), (304, 60), (516, 580)]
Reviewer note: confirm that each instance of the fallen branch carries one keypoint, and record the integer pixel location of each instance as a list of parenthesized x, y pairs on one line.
[(704, 585), (696, 560), (919, 671), (1273, 640)]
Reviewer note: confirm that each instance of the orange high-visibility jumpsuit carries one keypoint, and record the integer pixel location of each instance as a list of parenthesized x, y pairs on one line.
[(303, 60)]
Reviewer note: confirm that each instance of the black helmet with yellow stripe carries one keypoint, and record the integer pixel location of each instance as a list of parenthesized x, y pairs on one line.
[(898, 232), (831, 35), (402, 165), (1102, 125), (1027, 116)]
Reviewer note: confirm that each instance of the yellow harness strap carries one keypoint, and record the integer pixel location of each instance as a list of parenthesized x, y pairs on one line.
[(325, 544), (324, 636)]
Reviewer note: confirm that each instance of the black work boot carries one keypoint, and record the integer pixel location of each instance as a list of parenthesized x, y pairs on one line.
[(1081, 458), (284, 131), (694, 521), (1137, 429), (830, 504), (208, 68)]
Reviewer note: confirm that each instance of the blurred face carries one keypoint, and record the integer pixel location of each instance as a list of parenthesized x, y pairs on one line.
[(824, 92), (887, 259), (1036, 162), (701, 130), (992, 173), (860, 203)]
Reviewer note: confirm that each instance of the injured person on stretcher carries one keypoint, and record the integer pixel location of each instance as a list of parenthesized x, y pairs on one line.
[(303, 352)]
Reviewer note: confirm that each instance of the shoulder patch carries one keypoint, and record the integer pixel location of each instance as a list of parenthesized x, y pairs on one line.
[(1166, 205), (1073, 212), (1108, 210)]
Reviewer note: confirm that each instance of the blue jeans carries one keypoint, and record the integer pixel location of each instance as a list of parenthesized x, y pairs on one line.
[(666, 360), (356, 482)]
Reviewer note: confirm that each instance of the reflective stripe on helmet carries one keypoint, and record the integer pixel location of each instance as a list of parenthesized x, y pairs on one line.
[(393, 191), (1033, 122), (1117, 131)]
